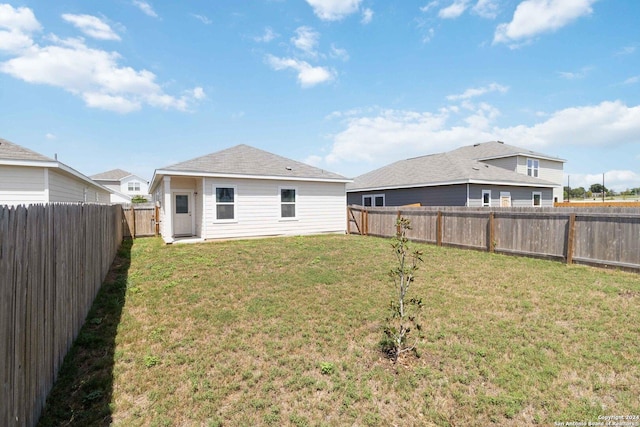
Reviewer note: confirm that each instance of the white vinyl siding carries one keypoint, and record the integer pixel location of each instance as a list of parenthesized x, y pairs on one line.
[(21, 185), (320, 208), (63, 188)]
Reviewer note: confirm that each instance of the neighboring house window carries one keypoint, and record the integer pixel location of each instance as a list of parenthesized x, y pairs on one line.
[(486, 197), (134, 186), (225, 203), (373, 200), (287, 202), (537, 198), (533, 167)]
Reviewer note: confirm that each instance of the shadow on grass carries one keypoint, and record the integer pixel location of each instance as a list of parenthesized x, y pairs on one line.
[(82, 393)]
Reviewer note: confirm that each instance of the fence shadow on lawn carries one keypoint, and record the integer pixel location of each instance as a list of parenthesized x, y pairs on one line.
[(82, 393)]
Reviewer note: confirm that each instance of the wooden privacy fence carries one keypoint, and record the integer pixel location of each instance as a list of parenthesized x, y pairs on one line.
[(604, 237), (140, 220), (53, 260)]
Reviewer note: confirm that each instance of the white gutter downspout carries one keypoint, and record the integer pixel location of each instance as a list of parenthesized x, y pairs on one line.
[(203, 224), (46, 185), (467, 205)]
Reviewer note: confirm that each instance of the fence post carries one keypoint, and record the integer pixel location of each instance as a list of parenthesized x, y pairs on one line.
[(571, 237), (439, 229), (492, 232), (156, 222), (365, 222), (133, 219)]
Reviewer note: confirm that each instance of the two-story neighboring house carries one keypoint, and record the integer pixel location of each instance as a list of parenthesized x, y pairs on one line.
[(124, 185), (490, 174), (519, 160)]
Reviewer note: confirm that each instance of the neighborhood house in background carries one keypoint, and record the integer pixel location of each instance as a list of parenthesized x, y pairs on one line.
[(124, 185), (27, 177), (246, 192), (491, 174)]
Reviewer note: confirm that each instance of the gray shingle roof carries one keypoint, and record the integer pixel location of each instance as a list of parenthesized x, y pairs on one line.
[(245, 160), (440, 169), (493, 149), (11, 151), (112, 175)]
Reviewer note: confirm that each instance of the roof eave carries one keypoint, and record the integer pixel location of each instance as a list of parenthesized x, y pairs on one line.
[(159, 173)]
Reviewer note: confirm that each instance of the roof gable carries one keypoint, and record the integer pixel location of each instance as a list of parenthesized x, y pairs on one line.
[(245, 160)]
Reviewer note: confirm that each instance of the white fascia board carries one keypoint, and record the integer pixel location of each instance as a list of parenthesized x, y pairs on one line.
[(163, 172), (529, 155), (31, 163)]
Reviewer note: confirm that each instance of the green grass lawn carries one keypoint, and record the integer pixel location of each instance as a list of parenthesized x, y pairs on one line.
[(285, 331)]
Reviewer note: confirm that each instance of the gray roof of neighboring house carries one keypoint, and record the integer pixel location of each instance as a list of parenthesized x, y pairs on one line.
[(440, 169), (112, 175), (245, 160), (498, 149), (11, 151)]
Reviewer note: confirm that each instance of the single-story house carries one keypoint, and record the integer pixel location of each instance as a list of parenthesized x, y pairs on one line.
[(27, 177), (245, 192), (486, 174), (124, 185)]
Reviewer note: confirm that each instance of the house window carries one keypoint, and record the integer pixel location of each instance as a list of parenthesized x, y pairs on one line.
[(537, 198), (287, 202), (133, 186), (486, 197), (225, 203), (182, 204), (533, 167), (373, 200)]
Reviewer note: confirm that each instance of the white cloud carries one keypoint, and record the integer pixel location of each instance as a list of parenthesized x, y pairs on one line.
[(308, 75), (429, 6), (375, 138), (145, 7), (334, 10), (202, 18), (20, 19), (632, 80), (473, 92), (92, 26), (339, 53), (16, 27), (267, 36), (306, 40), (533, 17), (454, 10), (575, 75), (486, 8), (626, 50), (367, 16), (94, 75), (50, 136)]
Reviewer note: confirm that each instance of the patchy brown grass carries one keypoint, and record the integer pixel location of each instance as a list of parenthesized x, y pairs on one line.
[(285, 332)]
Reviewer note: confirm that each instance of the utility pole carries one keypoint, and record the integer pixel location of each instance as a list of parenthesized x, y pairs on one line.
[(603, 187)]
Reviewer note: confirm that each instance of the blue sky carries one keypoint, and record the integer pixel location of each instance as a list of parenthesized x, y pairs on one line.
[(345, 85)]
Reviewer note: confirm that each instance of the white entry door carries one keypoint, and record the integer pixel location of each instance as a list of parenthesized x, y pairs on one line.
[(182, 214)]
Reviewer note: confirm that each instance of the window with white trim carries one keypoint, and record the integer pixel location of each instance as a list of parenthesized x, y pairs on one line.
[(133, 186), (287, 202), (533, 167), (376, 200), (536, 198), (225, 203), (486, 197)]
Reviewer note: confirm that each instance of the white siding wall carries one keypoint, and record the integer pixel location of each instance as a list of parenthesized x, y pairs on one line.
[(509, 163), (64, 188), (124, 186), (320, 208), (21, 185)]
